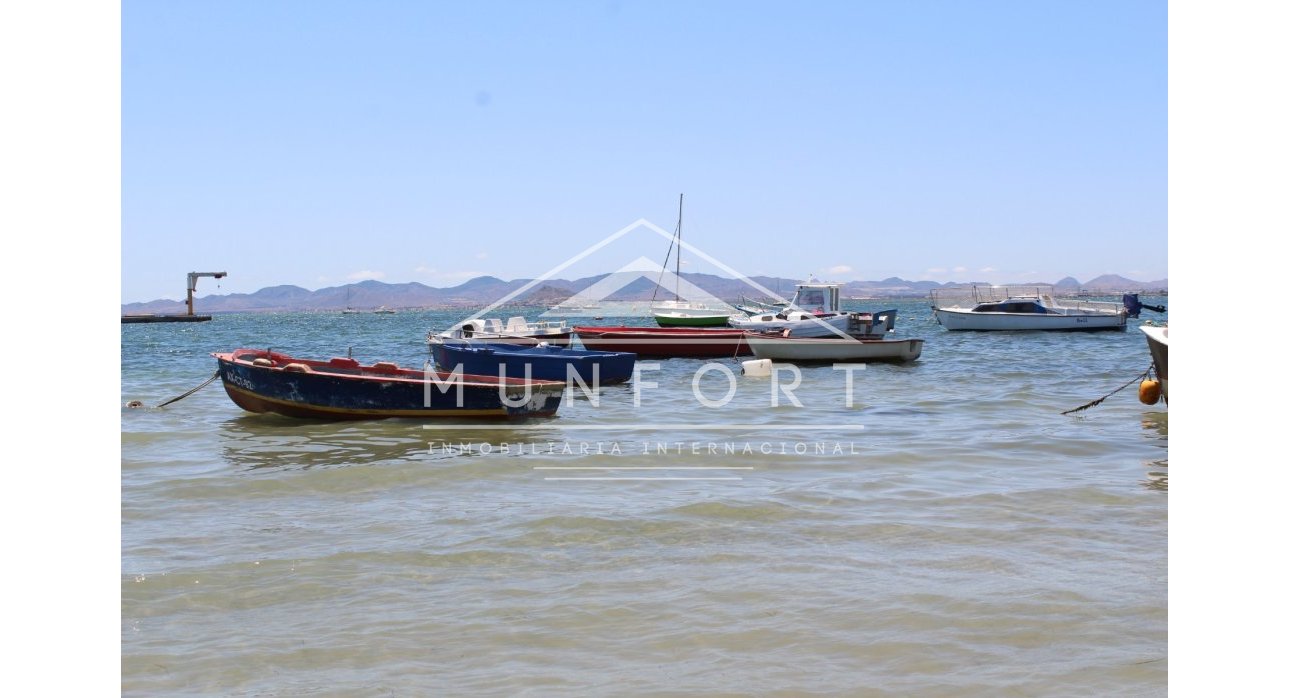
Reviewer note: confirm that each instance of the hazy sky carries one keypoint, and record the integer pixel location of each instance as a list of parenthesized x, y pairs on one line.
[(314, 143)]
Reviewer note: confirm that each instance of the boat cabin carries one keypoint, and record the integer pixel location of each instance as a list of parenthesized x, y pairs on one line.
[(817, 298), (1016, 306)]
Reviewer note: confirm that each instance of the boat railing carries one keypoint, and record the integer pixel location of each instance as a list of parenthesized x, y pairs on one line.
[(1080, 305), (968, 297), (971, 296), (549, 325), (454, 336)]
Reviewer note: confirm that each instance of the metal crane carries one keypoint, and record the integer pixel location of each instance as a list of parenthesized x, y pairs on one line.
[(192, 283)]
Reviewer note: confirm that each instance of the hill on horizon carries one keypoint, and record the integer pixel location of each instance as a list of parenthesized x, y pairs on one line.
[(483, 290)]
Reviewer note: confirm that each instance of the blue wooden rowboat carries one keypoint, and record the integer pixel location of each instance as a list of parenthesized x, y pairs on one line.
[(541, 362), (263, 381)]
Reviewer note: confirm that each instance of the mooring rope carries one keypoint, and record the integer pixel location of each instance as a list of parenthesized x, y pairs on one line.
[(136, 403), (1098, 401), (739, 343)]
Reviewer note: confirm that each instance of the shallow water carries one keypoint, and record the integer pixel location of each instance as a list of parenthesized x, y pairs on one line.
[(949, 533)]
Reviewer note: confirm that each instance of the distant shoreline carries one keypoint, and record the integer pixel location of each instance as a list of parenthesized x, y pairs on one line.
[(545, 307), (366, 296)]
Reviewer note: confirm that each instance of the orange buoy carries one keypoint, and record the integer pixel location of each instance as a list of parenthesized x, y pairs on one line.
[(1149, 392)]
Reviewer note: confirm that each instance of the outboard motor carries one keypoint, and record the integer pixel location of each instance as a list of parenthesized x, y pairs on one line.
[(1132, 304), (1135, 306)]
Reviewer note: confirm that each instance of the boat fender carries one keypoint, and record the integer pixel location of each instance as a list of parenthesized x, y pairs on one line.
[(787, 331), (261, 361), (1149, 392), (297, 368), (756, 368)]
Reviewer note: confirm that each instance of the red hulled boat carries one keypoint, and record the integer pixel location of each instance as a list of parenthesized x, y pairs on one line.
[(666, 342)]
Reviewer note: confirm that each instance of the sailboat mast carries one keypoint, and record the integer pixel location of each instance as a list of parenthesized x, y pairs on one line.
[(680, 209)]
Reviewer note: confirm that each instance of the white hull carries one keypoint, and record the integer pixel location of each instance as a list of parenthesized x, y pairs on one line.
[(517, 330), (1158, 344), (952, 319), (691, 314), (834, 350), (819, 327)]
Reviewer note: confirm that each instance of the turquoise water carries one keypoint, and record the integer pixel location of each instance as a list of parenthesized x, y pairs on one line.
[(948, 533)]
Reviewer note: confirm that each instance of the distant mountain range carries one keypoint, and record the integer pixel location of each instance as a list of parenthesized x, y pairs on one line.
[(483, 290)]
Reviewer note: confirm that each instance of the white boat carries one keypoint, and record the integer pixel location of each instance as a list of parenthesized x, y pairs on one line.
[(833, 349), (1158, 343), (384, 311), (1030, 307), (816, 311), (517, 330)]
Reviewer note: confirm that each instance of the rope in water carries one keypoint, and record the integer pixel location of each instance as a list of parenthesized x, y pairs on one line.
[(1098, 401), (136, 403)]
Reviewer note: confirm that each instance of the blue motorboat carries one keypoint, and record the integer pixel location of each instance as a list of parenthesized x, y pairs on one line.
[(541, 362)]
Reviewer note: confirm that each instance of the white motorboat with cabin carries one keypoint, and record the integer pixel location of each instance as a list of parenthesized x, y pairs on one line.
[(816, 311), (1029, 307)]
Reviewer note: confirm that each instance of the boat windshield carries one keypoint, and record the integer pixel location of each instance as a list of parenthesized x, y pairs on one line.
[(816, 299), (1011, 307), (811, 296)]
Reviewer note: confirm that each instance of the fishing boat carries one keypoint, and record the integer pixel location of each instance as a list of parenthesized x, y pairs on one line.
[(1158, 344), (816, 311), (833, 349), (260, 380), (665, 342), (544, 362), (517, 331), (1031, 307), (679, 313)]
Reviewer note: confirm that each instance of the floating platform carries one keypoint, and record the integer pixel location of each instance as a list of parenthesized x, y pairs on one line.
[(127, 319)]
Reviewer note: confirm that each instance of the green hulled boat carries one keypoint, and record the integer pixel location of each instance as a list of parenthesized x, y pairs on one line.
[(673, 314)]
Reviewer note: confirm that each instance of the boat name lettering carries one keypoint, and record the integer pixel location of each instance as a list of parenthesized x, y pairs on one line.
[(241, 381)]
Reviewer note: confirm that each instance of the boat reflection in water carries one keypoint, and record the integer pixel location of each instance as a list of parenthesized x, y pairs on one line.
[(1156, 428)]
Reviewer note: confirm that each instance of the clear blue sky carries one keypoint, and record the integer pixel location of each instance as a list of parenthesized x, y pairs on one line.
[(313, 143)]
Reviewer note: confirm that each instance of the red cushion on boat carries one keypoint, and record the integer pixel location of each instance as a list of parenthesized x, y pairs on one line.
[(385, 367), (342, 362)]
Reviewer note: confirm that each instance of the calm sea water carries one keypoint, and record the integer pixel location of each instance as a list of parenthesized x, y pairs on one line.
[(948, 533)]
